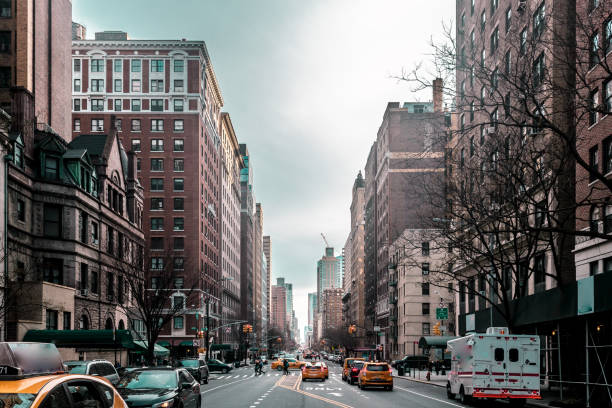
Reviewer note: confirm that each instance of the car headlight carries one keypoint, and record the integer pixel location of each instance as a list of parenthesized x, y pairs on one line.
[(165, 404)]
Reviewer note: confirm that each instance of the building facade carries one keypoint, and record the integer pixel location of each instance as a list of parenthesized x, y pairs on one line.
[(356, 267), (258, 272), (370, 239), (329, 274), (267, 248), (166, 102), (279, 308), (247, 236), (332, 311)]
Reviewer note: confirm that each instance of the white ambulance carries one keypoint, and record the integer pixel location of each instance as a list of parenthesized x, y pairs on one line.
[(495, 364)]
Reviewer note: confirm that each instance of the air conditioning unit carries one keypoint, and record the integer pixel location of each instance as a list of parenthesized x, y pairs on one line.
[(160, 204), (100, 128), (84, 292), (491, 130)]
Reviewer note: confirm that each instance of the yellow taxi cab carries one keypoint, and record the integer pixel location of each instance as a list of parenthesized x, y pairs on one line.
[(293, 364), (313, 372), (375, 375), (347, 367), (325, 369), (32, 376)]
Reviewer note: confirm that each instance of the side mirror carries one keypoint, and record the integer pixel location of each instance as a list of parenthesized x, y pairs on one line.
[(186, 386)]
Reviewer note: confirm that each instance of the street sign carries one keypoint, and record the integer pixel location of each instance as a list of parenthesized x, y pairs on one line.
[(376, 328), (196, 343), (441, 313)]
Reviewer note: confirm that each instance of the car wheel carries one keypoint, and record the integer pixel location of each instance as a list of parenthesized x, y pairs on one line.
[(449, 393), (205, 380), (279, 368), (464, 399), (225, 371)]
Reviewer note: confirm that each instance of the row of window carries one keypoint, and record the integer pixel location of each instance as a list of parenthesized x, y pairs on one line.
[(595, 46), (52, 322), (97, 85), (157, 145), (157, 125), (606, 158), (156, 105), (157, 204), (157, 224), (157, 184), (157, 65), (158, 244), (595, 103)]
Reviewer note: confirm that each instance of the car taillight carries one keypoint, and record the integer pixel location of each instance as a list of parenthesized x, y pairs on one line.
[(354, 370)]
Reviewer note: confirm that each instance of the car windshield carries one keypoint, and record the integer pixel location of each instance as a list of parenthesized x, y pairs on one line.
[(154, 379), (189, 363), (357, 364), (378, 368), (16, 400), (76, 368)]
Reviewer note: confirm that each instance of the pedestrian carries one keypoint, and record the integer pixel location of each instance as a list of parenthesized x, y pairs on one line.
[(286, 367)]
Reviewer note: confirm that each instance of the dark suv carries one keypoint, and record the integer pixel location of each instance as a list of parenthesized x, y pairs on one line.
[(196, 367), (99, 368)]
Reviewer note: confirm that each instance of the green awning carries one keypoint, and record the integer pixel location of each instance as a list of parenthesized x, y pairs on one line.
[(163, 343), (253, 349), (83, 338), (186, 343), (158, 350), (219, 347), (435, 341)]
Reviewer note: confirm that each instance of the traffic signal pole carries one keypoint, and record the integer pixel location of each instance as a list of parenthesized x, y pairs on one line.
[(207, 328)]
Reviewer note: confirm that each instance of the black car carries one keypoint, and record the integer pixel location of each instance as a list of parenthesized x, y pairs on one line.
[(196, 367), (160, 387), (354, 369)]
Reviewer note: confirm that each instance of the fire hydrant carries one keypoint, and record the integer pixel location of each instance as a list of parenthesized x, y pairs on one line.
[(428, 376)]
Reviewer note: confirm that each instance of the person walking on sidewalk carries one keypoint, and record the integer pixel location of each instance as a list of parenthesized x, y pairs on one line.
[(286, 367)]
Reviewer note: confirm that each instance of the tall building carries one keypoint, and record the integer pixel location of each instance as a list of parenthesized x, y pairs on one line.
[(279, 308), (312, 308), (370, 240), (328, 274), (166, 102), (35, 45), (258, 273), (265, 300), (332, 310), (247, 231), (354, 269), (346, 279), (231, 165), (267, 248)]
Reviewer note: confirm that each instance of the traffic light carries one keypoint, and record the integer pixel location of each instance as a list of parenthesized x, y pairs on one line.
[(352, 329), (250, 329), (200, 334), (436, 329), (245, 328)]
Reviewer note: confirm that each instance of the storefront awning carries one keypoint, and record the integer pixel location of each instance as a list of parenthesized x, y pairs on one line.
[(186, 343), (158, 350), (163, 343), (220, 347), (253, 349), (98, 339)]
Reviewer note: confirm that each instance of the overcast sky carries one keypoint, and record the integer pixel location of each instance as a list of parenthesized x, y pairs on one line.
[(306, 83)]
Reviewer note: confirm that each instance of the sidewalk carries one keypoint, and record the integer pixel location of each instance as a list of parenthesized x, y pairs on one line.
[(440, 381)]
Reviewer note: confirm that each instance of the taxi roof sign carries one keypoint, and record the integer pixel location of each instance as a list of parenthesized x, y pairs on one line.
[(22, 359)]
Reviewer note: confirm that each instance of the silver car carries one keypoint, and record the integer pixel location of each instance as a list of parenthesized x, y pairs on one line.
[(98, 368)]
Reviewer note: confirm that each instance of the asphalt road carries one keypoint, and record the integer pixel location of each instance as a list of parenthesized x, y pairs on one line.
[(240, 388)]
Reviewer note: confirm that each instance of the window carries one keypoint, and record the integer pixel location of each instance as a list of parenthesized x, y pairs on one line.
[(425, 248), (157, 125), (135, 145), (607, 219), (594, 50), (110, 286), (179, 145), (462, 158), (494, 79), (494, 40), (157, 65), (118, 86), (472, 40), (607, 265), (508, 19), (507, 105), (607, 155), (483, 95), (471, 111), (593, 268), (523, 41), (179, 243), (179, 165), (94, 282), (157, 243), (425, 308), (538, 70), (21, 210), (483, 57), (97, 85), (179, 224), (135, 105), (472, 6), (157, 105), (97, 65), (594, 219), (157, 85), (472, 146), (157, 164), (117, 65), (425, 288), (67, 317), (593, 106), (77, 65), (138, 163), (94, 233), (494, 5), (508, 62), (97, 125), (538, 20), (77, 125), (157, 224), (540, 213), (608, 35), (425, 268), (178, 322), (178, 85), (157, 184), (426, 329), (52, 221), (53, 270), (51, 323), (539, 274), (593, 161), (135, 125), (483, 20), (97, 105), (179, 184), (157, 145), (136, 65), (179, 65), (179, 204), (593, 4), (77, 85), (136, 85), (77, 105), (499, 354), (607, 101), (157, 204), (178, 105), (179, 125)]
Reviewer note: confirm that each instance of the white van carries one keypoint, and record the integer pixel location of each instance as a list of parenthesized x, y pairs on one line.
[(496, 365)]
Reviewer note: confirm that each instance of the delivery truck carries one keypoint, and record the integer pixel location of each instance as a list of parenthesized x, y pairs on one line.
[(495, 365)]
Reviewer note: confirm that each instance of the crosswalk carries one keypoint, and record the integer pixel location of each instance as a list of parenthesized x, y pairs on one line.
[(235, 375)]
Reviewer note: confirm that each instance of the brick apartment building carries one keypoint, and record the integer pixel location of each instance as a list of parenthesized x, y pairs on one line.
[(278, 312), (166, 101), (332, 310)]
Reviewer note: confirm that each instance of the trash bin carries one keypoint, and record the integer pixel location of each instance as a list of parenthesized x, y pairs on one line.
[(400, 369)]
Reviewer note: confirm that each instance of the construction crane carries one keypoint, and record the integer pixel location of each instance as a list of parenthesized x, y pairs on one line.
[(325, 239)]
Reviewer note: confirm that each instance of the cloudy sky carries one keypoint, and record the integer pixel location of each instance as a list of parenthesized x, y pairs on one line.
[(306, 83)]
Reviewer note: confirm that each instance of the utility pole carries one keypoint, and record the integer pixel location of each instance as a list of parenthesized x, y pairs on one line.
[(207, 301)]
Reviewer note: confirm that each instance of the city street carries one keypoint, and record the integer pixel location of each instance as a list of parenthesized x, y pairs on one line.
[(240, 388)]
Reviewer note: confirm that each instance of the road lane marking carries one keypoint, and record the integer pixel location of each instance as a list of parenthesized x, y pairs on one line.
[(223, 385), (431, 398)]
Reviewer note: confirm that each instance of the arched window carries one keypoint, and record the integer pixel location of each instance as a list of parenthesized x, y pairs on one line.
[(84, 322), (594, 218), (109, 324), (121, 325)]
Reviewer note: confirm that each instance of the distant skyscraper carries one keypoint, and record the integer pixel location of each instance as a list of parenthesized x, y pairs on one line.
[(267, 248), (329, 271), (312, 308), (279, 310)]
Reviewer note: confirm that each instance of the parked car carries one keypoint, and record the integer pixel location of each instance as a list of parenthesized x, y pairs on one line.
[(411, 362), (196, 367), (160, 387), (98, 368), (216, 365)]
